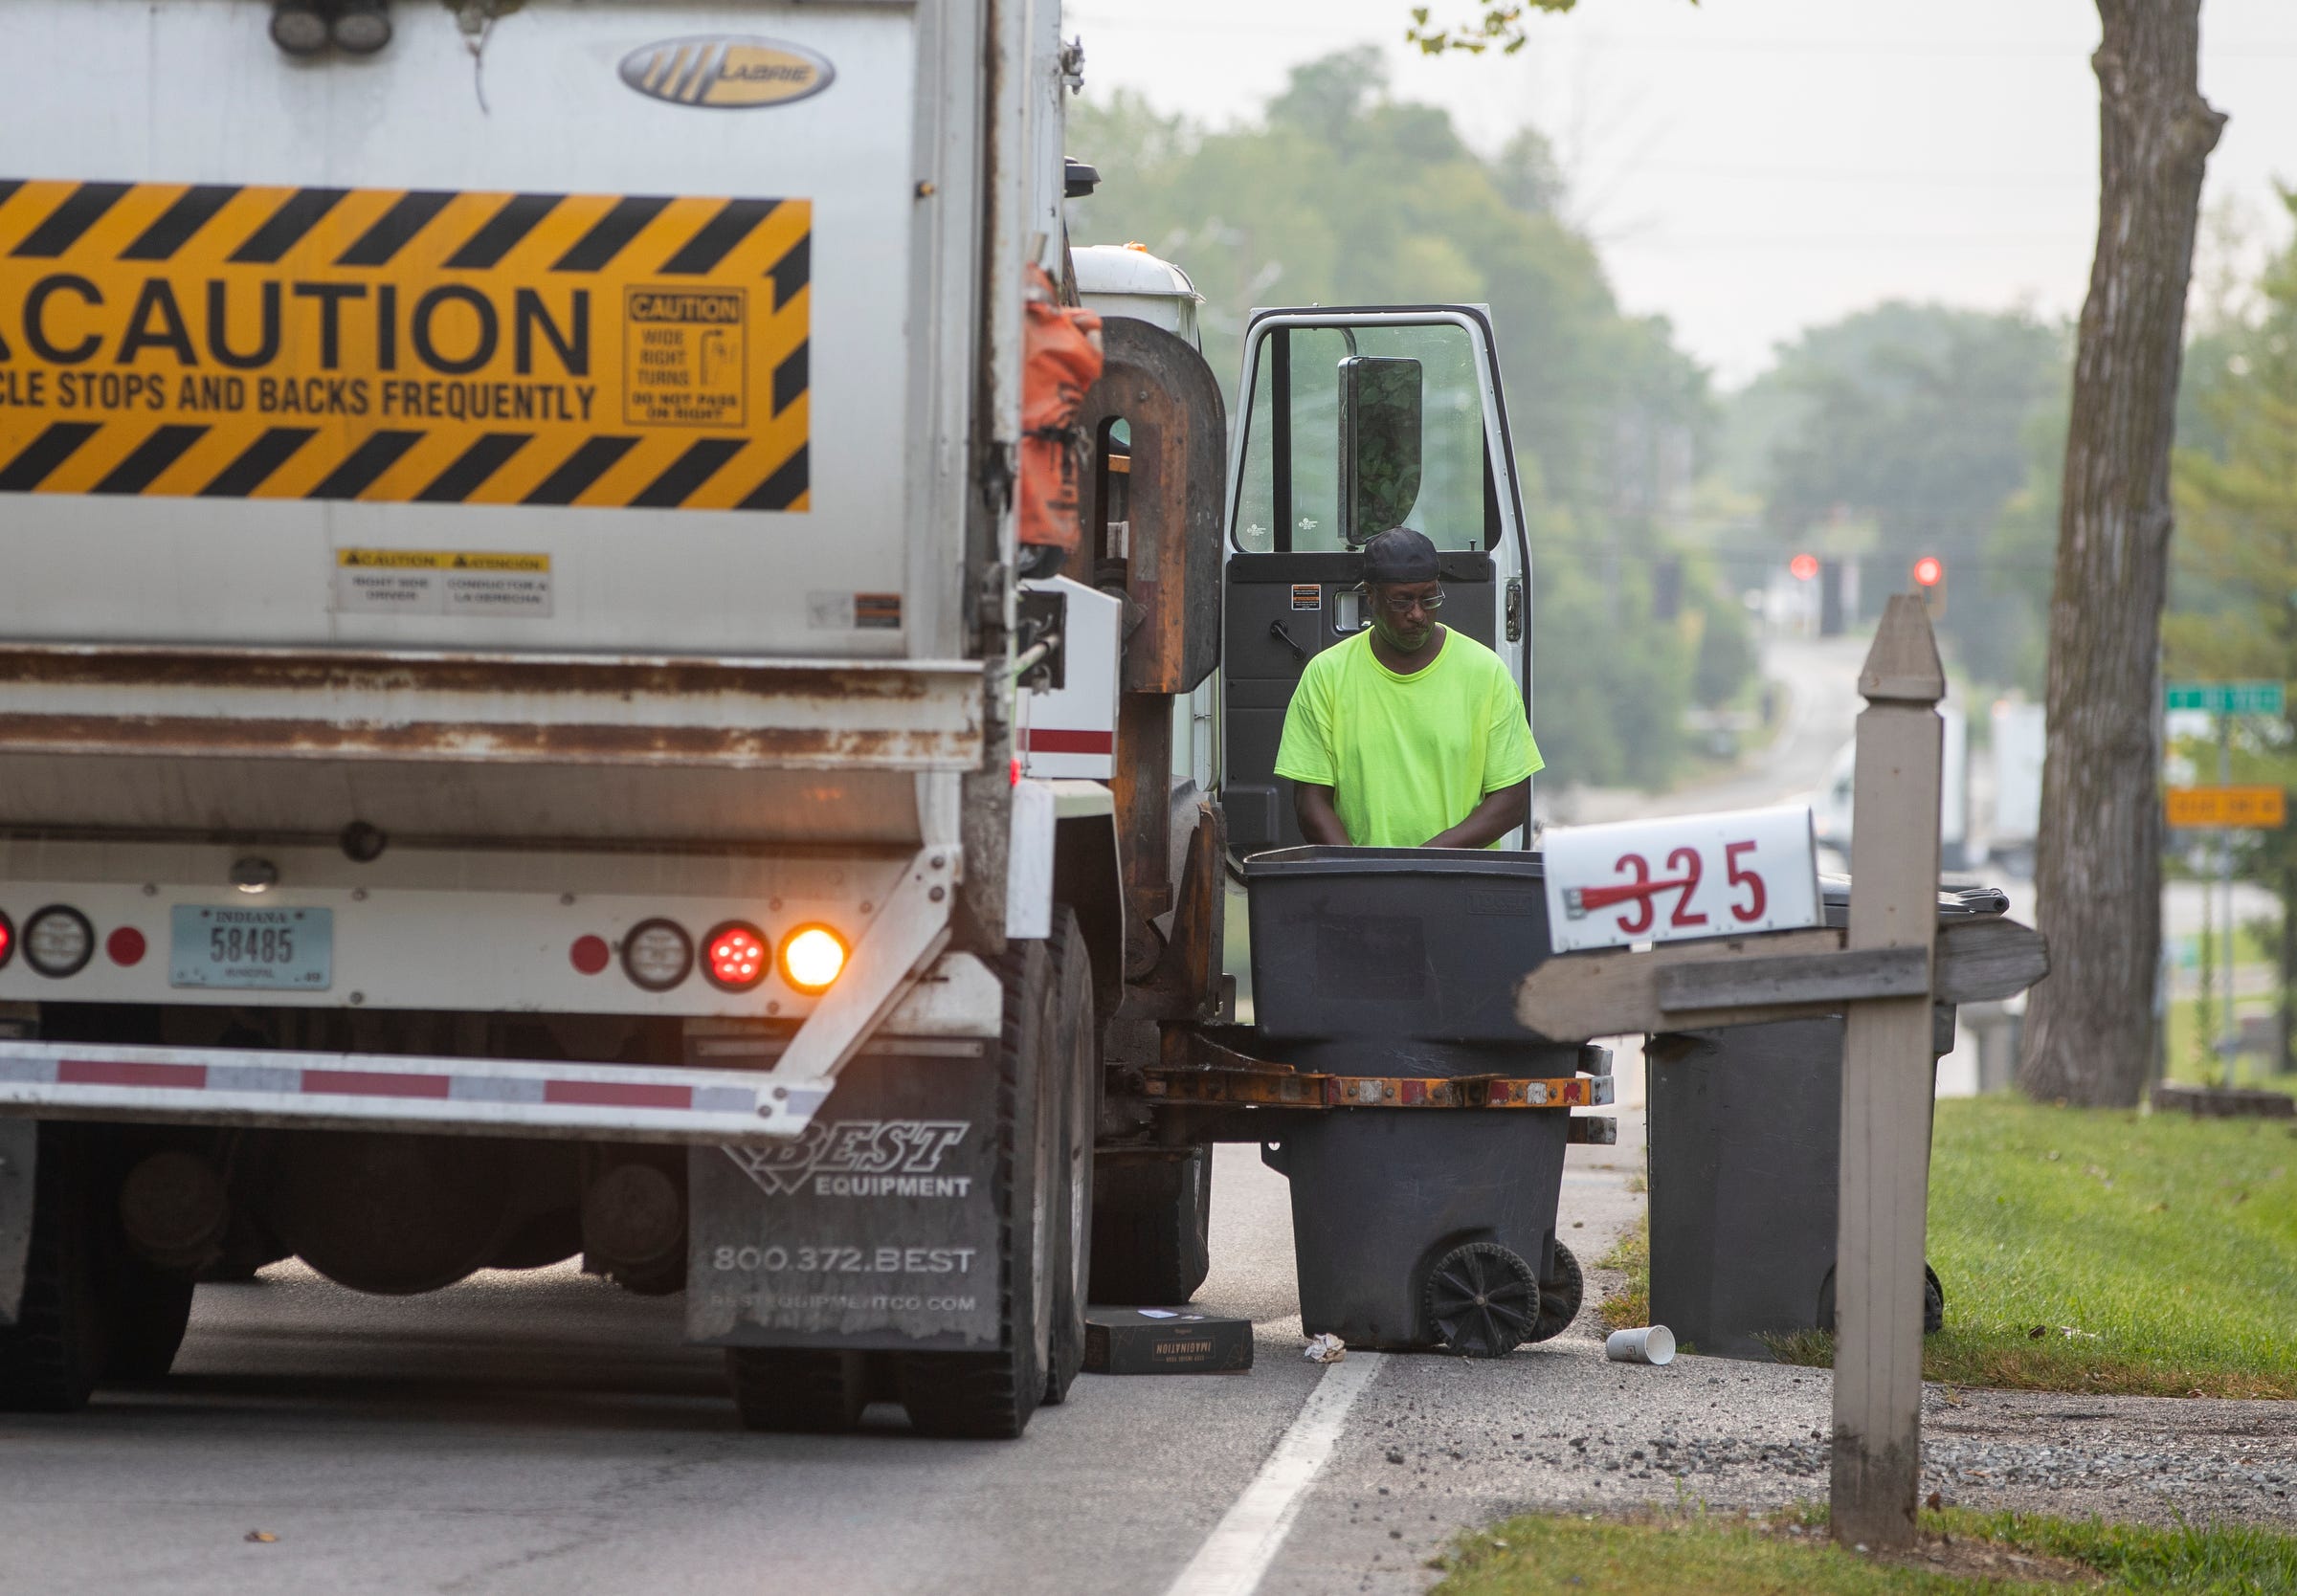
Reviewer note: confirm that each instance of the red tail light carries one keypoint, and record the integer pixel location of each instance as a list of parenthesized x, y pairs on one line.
[(8, 939), (735, 957)]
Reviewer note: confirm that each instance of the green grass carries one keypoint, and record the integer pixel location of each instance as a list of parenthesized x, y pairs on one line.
[(2168, 1246), (1631, 1304), (1696, 1554)]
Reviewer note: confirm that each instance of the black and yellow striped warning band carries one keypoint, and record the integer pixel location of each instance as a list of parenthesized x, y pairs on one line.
[(404, 345)]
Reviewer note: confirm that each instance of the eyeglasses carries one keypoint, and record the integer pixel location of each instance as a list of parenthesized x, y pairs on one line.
[(1403, 604)]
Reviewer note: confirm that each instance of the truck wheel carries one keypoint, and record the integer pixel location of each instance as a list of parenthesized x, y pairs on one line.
[(991, 1395), (1078, 1052), (150, 1312), (50, 1358), (1560, 1295), (798, 1391), (1153, 1220)]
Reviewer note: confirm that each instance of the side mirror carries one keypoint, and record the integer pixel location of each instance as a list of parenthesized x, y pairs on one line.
[(1379, 444)]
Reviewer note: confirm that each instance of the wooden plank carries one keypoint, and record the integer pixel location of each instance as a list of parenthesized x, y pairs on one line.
[(1795, 978), (1887, 1088), (1576, 996), (1983, 961)]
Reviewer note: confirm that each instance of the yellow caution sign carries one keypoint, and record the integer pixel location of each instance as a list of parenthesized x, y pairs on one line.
[(2234, 808), (404, 345)]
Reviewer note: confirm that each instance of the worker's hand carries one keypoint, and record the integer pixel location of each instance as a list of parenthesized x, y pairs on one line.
[(1500, 812)]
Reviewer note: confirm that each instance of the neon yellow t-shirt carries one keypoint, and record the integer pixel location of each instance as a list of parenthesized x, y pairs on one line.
[(1406, 756)]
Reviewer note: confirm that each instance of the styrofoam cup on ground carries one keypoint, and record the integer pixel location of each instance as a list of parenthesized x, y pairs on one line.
[(1649, 1343)]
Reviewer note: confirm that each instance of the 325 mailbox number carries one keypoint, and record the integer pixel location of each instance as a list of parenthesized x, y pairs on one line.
[(1641, 893)]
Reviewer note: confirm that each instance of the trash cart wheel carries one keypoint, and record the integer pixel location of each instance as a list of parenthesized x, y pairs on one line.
[(796, 1391), (1482, 1300), (1933, 1302), (1560, 1295)]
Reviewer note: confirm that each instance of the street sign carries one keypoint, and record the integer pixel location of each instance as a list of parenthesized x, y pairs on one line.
[(2224, 697), (1681, 877), (2236, 807)]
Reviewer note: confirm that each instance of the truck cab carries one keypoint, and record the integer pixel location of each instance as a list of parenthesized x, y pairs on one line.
[(1357, 420)]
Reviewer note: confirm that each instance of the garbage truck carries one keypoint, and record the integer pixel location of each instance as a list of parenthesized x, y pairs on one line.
[(529, 728)]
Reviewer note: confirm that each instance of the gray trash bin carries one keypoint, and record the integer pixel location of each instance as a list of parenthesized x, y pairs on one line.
[(1413, 1227), (1744, 1127)]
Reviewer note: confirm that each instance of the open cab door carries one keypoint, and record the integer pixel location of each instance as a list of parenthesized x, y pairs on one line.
[(1355, 421)]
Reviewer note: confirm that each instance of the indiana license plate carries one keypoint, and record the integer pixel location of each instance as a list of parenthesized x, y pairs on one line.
[(257, 949)]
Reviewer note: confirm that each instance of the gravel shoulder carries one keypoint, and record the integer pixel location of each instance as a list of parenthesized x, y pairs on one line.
[(1438, 1445)]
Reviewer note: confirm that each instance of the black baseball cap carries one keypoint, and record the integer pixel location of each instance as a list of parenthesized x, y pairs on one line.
[(1400, 554)]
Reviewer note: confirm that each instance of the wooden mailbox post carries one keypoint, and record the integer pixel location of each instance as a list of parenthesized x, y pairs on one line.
[(1884, 975)]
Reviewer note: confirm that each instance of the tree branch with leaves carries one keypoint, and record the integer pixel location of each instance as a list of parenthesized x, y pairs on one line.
[(1497, 27)]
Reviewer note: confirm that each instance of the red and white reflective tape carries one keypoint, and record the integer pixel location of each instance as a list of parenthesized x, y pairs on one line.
[(485, 1096)]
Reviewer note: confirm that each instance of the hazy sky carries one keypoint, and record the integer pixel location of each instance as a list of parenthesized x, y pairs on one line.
[(1754, 167)]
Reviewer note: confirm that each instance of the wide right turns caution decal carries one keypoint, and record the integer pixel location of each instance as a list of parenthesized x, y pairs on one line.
[(404, 345)]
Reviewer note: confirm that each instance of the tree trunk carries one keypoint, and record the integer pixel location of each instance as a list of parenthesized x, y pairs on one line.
[(2089, 1033)]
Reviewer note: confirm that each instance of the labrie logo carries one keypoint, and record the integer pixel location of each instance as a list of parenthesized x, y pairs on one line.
[(859, 1158), (726, 73)]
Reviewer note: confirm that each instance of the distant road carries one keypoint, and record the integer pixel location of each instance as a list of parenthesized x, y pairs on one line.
[(1819, 682)]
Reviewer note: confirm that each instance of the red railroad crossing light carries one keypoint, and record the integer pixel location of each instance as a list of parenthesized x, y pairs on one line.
[(1803, 566), (1928, 572)]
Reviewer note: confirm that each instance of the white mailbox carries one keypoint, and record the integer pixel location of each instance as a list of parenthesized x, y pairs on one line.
[(1681, 877)]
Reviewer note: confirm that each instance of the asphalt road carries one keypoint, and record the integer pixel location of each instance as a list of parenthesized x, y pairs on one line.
[(1819, 677), (544, 1432)]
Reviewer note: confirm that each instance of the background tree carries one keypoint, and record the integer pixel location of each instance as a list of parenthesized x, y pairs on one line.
[(2088, 1035), (1903, 431), (1340, 194)]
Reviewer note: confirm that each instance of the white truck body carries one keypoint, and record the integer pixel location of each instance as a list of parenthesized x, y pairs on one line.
[(2020, 742), (577, 463)]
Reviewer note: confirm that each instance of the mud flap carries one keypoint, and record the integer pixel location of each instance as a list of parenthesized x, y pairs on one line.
[(875, 1231), (19, 1148)]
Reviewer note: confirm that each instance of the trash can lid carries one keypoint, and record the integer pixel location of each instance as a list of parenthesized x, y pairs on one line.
[(1322, 859)]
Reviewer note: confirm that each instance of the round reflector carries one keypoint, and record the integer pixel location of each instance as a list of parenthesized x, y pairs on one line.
[(8, 939), (811, 957), (58, 941), (658, 954), (125, 945), (734, 957), (1929, 570), (591, 954)]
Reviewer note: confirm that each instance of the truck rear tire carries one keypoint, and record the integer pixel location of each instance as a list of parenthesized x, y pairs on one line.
[(150, 1312), (798, 1391), (1077, 1051), (51, 1357), (1153, 1228), (992, 1395)]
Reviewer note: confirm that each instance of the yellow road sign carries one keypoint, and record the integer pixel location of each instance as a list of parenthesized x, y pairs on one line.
[(2254, 807), (404, 345)]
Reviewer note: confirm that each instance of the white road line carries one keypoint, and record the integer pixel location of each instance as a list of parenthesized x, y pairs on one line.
[(1245, 1542)]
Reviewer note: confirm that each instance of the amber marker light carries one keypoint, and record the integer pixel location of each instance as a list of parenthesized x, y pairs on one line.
[(813, 957)]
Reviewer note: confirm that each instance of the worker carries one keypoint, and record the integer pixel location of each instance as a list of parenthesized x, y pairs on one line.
[(1407, 735)]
